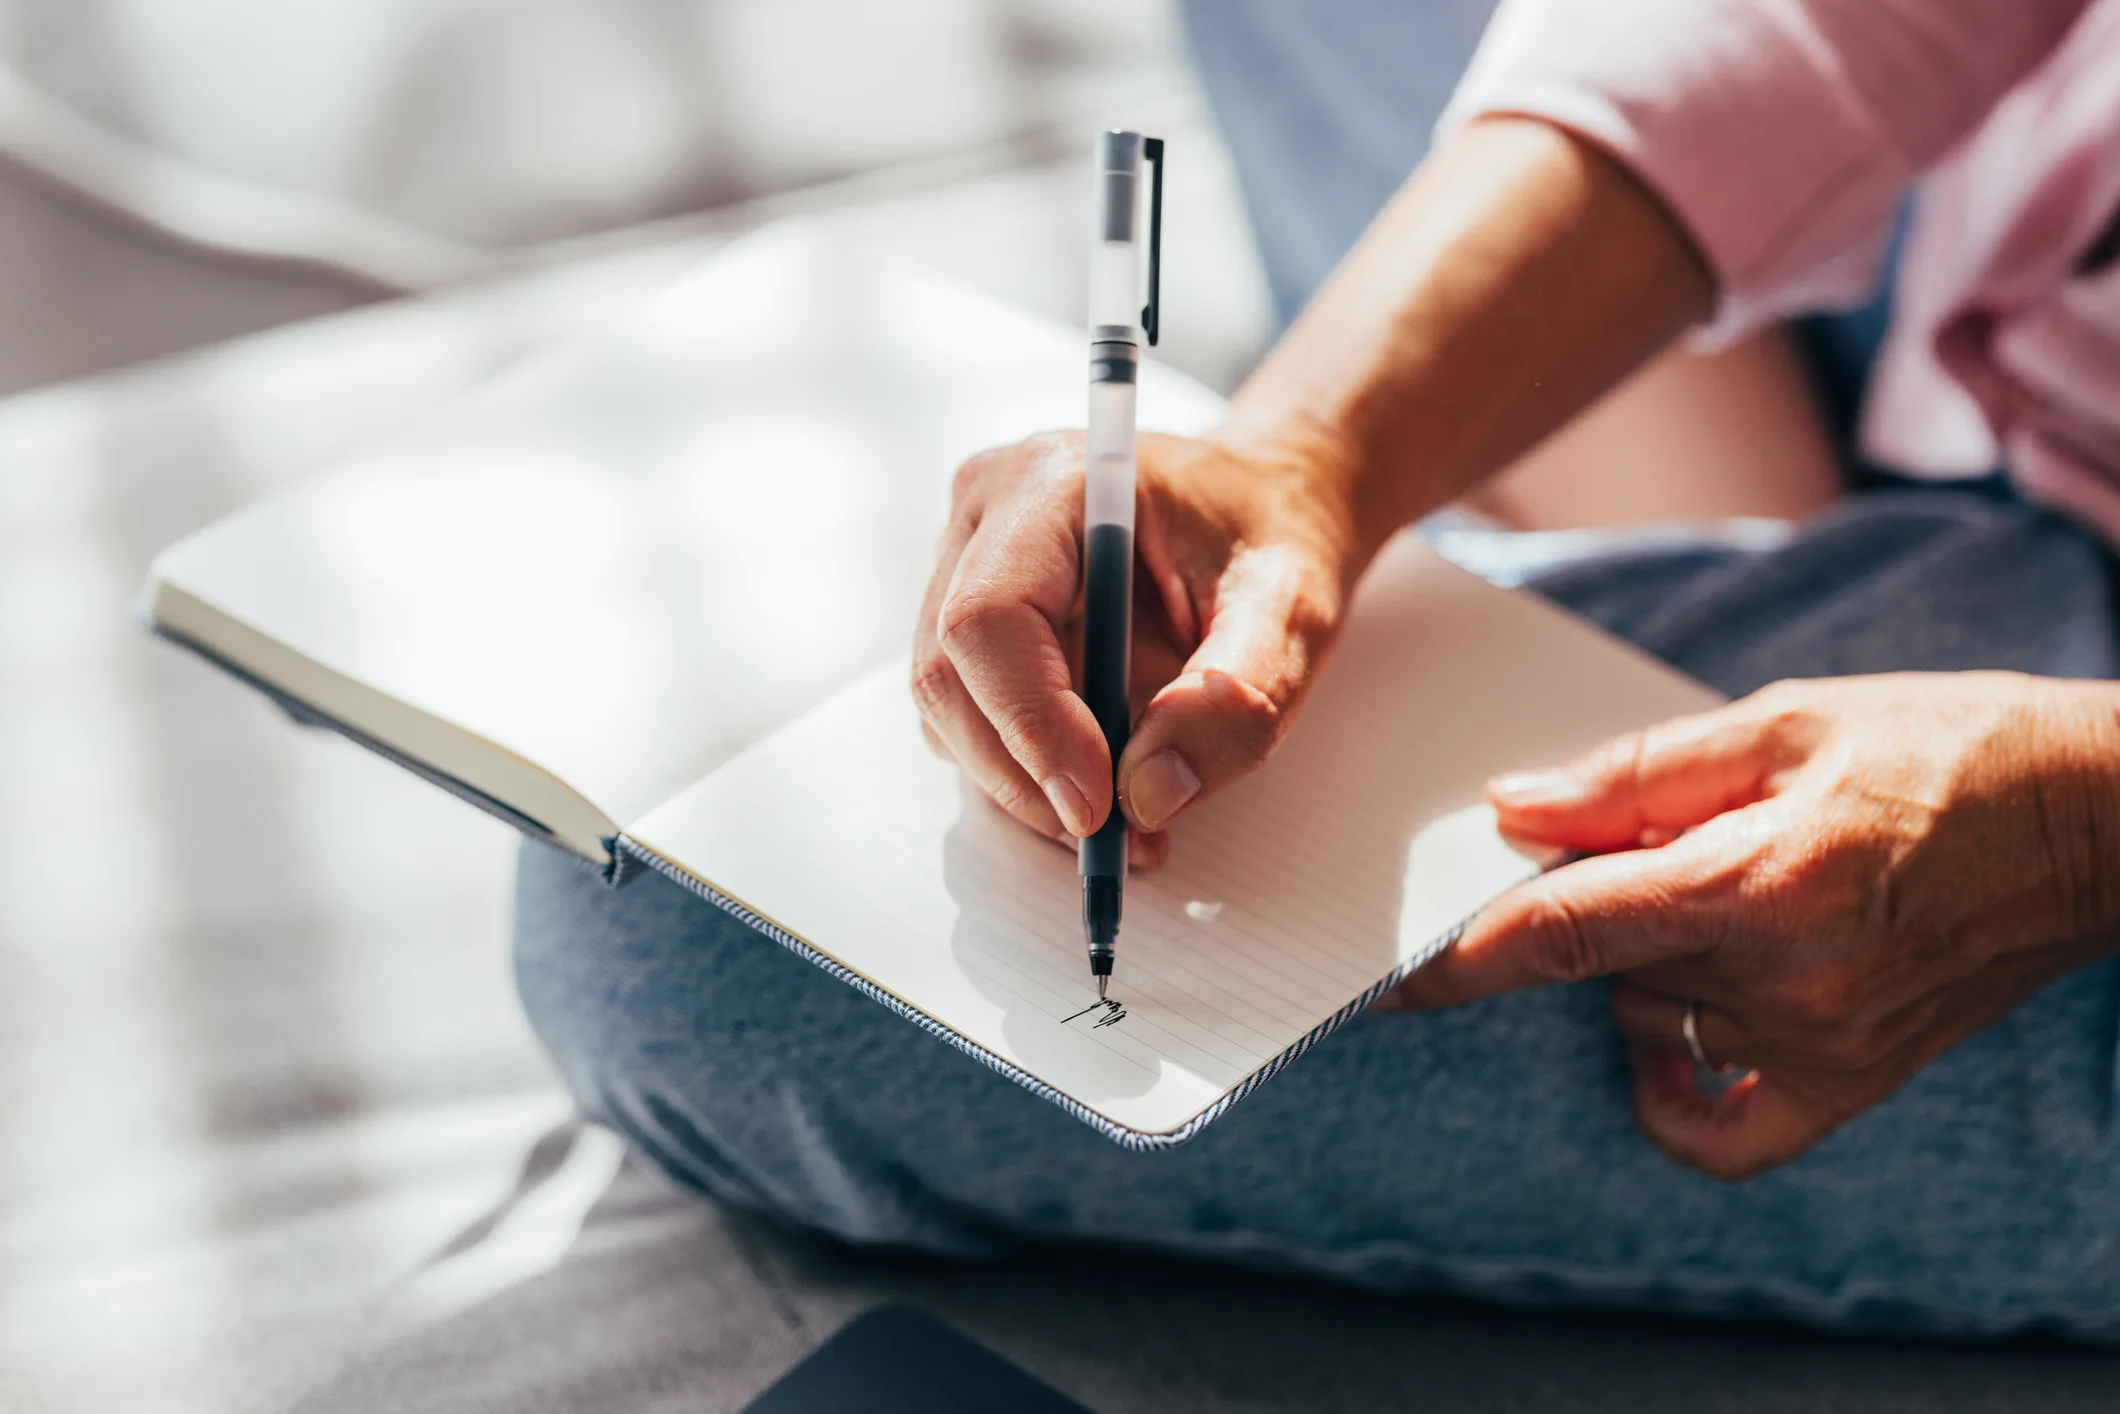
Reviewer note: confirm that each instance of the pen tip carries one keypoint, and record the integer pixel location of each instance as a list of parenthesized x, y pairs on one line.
[(1103, 986)]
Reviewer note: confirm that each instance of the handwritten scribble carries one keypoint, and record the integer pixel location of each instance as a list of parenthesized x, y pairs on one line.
[(1114, 1013)]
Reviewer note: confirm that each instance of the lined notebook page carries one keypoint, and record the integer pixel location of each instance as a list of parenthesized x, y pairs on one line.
[(1358, 850)]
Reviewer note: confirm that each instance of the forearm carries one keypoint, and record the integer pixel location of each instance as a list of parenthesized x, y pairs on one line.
[(1517, 276)]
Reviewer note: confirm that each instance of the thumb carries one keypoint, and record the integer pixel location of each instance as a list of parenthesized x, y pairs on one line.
[(1232, 704), (1645, 787)]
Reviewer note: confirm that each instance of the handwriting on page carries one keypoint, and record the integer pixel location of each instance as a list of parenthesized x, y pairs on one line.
[(1114, 1013)]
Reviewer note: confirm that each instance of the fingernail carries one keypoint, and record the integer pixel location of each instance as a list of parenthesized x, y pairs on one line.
[(1528, 790), (1068, 804), (1161, 789)]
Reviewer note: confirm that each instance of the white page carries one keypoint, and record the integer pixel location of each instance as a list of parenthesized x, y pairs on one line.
[(629, 561), (1358, 848)]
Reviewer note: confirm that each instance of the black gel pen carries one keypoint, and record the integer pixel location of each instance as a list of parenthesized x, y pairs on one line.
[(1117, 323)]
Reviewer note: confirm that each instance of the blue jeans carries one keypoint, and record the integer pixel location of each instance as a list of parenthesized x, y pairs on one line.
[(1489, 1149)]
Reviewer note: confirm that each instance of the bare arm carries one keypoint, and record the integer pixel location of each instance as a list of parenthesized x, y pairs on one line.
[(1518, 275)]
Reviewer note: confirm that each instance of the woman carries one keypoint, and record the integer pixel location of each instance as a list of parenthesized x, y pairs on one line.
[(1885, 891)]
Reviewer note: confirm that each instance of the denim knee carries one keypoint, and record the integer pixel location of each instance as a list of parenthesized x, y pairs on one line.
[(731, 1064)]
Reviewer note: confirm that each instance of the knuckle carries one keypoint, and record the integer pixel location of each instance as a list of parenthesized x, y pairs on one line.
[(1620, 762), (1811, 1000), (1251, 718), (984, 475), (970, 474), (969, 617), (1057, 463), (1053, 445), (1776, 698), (934, 682), (1784, 711), (1564, 948)]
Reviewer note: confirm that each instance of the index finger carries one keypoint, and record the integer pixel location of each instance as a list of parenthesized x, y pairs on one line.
[(1592, 918), (999, 622)]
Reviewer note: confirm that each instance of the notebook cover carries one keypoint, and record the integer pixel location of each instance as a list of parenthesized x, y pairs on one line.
[(308, 716)]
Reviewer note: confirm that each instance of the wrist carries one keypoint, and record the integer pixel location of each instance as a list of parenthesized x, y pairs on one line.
[(2077, 796), (1308, 488)]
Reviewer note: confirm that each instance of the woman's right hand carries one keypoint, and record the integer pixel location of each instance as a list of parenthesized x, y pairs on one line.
[(1516, 277), (1243, 567)]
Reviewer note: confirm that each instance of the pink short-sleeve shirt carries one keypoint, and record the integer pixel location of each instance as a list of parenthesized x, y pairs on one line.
[(1785, 133)]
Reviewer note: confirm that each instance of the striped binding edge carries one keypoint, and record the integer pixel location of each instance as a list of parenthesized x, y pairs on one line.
[(624, 850), (1119, 1134)]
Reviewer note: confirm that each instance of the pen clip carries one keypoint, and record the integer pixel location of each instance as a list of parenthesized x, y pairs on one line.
[(1152, 314)]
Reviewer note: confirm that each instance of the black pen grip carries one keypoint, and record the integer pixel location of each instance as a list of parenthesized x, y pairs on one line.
[(1107, 643)]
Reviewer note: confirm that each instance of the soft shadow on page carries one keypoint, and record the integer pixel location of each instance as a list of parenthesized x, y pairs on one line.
[(1285, 900), (1358, 849), (1016, 893), (1220, 970)]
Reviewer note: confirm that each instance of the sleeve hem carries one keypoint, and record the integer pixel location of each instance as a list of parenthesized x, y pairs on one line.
[(1784, 181)]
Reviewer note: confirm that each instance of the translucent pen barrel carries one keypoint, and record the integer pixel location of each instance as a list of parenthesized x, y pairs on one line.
[(1115, 258), (1115, 331)]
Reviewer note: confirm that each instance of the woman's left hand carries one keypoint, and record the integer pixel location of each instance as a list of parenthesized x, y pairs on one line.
[(1850, 876)]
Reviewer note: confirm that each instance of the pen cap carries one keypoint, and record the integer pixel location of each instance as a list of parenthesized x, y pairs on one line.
[(1117, 311)]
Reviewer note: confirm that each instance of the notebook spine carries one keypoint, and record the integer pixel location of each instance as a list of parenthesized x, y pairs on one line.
[(305, 715)]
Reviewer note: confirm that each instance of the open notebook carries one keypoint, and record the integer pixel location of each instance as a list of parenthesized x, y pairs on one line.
[(620, 565), (646, 599)]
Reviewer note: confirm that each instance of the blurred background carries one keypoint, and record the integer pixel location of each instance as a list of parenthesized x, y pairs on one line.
[(179, 171), (259, 1052)]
